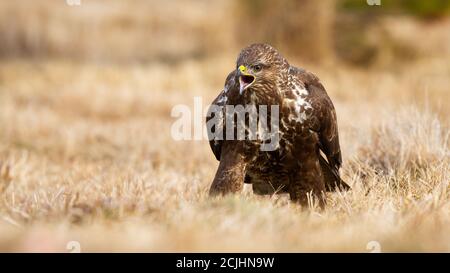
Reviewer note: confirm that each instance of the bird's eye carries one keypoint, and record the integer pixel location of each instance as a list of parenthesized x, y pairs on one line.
[(257, 67)]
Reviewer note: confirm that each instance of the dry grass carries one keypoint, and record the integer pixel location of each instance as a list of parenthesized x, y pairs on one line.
[(86, 155)]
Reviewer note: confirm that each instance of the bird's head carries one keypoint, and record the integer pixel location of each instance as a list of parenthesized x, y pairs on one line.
[(260, 66)]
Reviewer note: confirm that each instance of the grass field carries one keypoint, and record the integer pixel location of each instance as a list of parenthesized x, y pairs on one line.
[(86, 155), (87, 161)]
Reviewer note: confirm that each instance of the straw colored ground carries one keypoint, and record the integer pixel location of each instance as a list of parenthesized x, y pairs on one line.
[(86, 155)]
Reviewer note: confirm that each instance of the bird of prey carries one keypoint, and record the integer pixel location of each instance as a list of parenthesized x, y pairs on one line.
[(306, 161)]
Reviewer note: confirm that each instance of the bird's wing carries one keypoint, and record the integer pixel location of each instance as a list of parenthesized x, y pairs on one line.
[(216, 111), (324, 123)]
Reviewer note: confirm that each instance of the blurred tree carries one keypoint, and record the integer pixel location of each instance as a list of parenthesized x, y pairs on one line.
[(426, 9), (328, 30), (373, 38), (301, 28)]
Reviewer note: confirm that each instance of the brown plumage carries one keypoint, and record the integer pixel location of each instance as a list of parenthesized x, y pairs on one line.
[(307, 128)]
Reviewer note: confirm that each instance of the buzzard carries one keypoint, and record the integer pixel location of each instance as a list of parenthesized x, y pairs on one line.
[(307, 157)]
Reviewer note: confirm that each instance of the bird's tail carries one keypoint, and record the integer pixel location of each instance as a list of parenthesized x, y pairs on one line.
[(333, 181)]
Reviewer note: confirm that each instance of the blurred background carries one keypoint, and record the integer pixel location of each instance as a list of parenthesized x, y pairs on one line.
[(86, 93), (350, 31)]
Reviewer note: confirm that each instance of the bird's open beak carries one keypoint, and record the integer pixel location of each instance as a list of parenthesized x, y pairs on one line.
[(245, 79)]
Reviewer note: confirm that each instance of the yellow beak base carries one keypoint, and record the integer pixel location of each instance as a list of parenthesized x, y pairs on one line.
[(242, 68)]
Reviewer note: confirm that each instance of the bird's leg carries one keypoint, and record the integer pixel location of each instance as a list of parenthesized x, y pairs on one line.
[(231, 172), (308, 181)]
